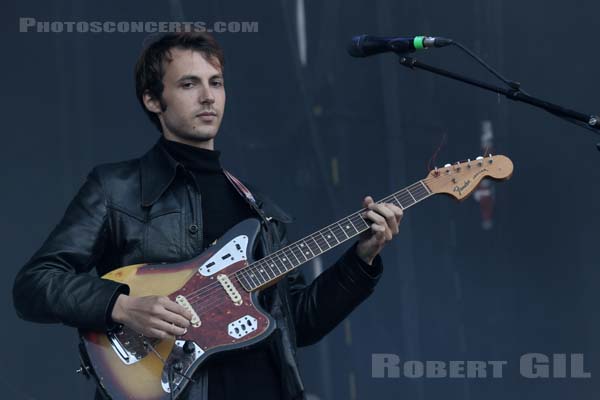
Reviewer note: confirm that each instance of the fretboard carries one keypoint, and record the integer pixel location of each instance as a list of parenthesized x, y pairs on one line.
[(268, 269)]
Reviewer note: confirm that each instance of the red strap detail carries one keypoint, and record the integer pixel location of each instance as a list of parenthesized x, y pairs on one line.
[(241, 188)]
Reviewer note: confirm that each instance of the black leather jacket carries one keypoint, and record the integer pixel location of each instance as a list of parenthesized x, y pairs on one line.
[(146, 210)]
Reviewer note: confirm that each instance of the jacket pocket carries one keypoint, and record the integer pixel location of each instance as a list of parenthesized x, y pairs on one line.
[(163, 237)]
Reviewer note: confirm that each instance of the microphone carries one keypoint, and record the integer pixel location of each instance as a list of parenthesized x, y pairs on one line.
[(367, 45)]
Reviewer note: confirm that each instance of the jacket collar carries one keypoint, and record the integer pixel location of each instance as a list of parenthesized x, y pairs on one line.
[(157, 170)]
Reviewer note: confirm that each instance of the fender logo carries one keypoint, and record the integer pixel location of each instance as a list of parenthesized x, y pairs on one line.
[(459, 189)]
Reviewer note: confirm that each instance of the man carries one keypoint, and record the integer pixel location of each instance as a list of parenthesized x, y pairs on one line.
[(171, 204)]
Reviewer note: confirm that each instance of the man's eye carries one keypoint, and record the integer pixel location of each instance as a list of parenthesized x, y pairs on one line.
[(187, 85), (217, 83)]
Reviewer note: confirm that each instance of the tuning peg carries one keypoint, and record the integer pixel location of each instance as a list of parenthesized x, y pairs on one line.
[(491, 160), (468, 163), (480, 163)]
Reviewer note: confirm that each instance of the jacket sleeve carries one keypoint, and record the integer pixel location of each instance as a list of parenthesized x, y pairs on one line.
[(55, 286), (320, 306)]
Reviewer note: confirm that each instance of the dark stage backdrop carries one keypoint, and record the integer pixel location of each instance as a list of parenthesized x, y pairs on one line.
[(318, 130)]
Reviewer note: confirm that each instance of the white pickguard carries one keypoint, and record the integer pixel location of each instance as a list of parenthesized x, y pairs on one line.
[(232, 252)]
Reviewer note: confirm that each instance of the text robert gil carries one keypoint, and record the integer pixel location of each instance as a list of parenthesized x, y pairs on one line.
[(531, 365)]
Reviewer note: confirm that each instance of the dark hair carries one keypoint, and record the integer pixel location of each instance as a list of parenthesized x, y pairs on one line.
[(149, 68)]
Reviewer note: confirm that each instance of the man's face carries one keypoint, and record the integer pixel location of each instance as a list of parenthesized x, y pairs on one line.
[(194, 96)]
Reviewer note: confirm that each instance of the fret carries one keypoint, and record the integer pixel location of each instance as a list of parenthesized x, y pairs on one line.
[(264, 271), (255, 278), (287, 251), (359, 223), (248, 277), (329, 237), (425, 187), (339, 233), (420, 195), (353, 225), (260, 272), (410, 194), (315, 246), (306, 249), (277, 261), (269, 262), (280, 264), (397, 202), (298, 254), (423, 190), (326, 244), (321, 242), (417, 192), (242, 275), (287, 264), (405, 200), (348, 227), (274, 272)]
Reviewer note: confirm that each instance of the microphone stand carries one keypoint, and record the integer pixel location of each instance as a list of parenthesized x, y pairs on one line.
[(591, 122)]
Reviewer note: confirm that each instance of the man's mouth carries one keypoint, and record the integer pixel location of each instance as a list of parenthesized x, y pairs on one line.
[(207, 114)]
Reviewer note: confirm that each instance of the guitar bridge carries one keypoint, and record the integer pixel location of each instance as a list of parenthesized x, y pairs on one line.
[(121, 343)]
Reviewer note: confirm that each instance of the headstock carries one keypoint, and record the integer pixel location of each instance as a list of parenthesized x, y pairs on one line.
[(461, 178)]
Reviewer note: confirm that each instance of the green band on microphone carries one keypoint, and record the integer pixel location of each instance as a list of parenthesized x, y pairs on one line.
[(418, 42)]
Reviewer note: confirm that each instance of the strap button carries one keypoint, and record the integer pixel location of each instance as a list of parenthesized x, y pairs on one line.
[(193, 229)]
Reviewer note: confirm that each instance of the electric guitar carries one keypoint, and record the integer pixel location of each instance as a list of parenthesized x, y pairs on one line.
[(220, 288)]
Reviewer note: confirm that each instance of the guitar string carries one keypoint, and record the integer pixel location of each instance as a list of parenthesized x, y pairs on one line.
[(403, 194), (206, 306), (219, 300), (254, 267), (205, 291)]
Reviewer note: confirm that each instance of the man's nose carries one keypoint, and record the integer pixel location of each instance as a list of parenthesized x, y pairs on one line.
[(206, 95)]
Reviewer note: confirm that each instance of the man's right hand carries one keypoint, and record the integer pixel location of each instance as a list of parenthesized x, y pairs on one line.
[(152, 316)]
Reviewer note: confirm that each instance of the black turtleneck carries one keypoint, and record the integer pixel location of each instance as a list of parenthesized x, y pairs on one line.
[(222, 206), (238, 374)]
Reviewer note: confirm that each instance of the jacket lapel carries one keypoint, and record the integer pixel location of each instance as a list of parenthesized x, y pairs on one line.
[(157, 170)]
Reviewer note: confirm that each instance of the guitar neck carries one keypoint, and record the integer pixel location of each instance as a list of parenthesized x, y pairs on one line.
[(271, 268)]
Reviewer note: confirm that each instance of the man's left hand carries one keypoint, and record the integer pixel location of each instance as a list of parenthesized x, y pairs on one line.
[(385, 218)]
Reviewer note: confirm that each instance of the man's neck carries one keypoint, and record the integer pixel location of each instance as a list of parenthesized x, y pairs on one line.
[(201, 144)]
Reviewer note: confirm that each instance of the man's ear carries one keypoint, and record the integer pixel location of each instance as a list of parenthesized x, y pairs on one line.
[(151, 102)]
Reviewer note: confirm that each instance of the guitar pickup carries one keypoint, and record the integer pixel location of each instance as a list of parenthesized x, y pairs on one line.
[(183, 301), (230, 289)]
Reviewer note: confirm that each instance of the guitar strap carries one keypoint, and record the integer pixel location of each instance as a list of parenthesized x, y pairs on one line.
[(247, 195)]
